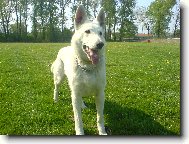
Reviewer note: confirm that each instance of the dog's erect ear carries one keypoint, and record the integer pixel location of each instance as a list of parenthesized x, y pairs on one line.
[(80, 17), (101, 18)]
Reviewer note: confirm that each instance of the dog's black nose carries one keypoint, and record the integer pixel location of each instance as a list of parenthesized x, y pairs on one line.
[(100, 45)]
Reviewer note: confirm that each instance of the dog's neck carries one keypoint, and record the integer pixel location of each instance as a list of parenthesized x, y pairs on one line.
[(84, 66)]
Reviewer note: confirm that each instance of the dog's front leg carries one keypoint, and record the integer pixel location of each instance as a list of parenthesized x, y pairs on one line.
[(76, 103), (99, 99)]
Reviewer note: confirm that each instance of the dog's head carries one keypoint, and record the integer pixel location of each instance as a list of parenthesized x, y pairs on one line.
[(88, 40)]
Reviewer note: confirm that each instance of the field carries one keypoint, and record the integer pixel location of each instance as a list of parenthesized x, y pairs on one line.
[(142, 93)]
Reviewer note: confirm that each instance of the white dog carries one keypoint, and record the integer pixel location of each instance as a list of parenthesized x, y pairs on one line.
[(84, 65)]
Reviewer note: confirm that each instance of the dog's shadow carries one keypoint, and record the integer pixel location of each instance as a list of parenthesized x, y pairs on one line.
[(125, 121), (122, 120)]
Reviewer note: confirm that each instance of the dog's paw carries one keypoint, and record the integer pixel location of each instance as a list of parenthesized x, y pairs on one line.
[(79, 133), (55, 100), (103, 133)]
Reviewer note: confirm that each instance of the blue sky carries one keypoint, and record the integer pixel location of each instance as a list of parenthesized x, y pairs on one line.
[(144, 3)]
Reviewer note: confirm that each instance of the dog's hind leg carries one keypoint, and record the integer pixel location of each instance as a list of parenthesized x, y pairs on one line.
[(99, 100), (56, 89), (58, 72)]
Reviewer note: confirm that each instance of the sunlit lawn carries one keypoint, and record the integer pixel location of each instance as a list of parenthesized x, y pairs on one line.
[(142, 93)]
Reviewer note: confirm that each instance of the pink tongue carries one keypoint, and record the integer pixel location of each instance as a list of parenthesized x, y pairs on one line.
[(94, 56)]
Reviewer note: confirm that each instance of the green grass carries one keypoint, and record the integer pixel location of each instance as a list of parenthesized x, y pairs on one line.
[(142, 93)]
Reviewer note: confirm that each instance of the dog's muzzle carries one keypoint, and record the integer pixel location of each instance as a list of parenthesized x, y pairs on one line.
[(92, 53)]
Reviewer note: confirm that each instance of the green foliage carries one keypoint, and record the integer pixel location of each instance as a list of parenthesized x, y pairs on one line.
[(128, 30), (111, 16), (160, 13), (177, 33), (142, 92), (49, 18), (127, 26)]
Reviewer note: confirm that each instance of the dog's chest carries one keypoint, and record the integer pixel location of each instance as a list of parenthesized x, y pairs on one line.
[(90, 82)]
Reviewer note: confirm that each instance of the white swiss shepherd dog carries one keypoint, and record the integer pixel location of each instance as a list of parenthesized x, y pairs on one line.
[(84, 65)]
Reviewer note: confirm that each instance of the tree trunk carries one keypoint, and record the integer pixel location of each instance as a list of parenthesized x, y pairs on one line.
[(20, 27), (114, 28), (4, 26), (34, 31), (17, 25), (175, 27)]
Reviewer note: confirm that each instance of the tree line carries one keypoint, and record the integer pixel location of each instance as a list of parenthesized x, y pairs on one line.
[(48, 19)]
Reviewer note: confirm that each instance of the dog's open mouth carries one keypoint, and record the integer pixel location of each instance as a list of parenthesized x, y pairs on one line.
[(92, 54)]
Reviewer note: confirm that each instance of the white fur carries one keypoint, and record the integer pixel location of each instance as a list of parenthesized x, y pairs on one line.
[(85, 70)]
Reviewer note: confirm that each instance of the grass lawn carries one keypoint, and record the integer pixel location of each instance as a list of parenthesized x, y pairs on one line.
[(142, 93)]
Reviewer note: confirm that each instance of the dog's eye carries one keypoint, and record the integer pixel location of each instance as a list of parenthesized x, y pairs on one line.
[(100, 33), (88, 31)]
